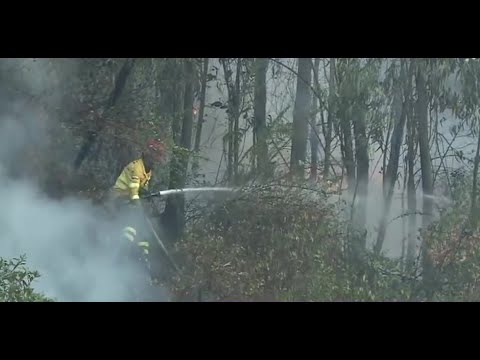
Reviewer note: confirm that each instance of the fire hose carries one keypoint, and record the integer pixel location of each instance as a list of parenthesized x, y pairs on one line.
[(186, 190)]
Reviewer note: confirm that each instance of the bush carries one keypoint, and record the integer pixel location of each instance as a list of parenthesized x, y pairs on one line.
[(455, 251), (277, 243), (270, 243), (454, 246), (16, 282)]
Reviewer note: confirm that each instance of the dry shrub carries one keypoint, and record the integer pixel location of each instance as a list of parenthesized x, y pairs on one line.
[(268, 243)]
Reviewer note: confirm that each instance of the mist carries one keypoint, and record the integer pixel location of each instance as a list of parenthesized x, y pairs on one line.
[(67, 242)]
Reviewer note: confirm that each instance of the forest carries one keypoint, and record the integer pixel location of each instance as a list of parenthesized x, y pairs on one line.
[(344, 179)]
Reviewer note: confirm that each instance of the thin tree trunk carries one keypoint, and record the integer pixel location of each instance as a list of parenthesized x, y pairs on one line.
[(347, 147), (300, 118), (187, 126), (404, 224), (230, 149), (260, 104), (314, 141), (201, 112), (427, 175), (425, 159), (330, 119), (236, 126), (411, 190), (363, 161), (233, 114), (345, 126), (392, 168)]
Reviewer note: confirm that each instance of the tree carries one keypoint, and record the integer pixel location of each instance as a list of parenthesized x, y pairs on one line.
[(345, 125), (330, 118), (260, 105), (391, 173), (201, 112), (314, 133), (301, 118), (174, 214), (411, 189), (426, 166), (423, 138)]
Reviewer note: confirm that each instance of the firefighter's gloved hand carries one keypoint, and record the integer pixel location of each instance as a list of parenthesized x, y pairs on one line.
[(144, 246), (129, 233), (143, 192)]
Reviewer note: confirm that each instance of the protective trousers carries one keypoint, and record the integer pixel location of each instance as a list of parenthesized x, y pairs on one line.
[(134, 236), (133, 248)]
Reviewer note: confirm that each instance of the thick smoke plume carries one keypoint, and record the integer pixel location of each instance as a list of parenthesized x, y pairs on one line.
[(69, 242)]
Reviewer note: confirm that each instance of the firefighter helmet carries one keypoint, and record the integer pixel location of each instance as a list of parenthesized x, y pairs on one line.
[(156, 149)]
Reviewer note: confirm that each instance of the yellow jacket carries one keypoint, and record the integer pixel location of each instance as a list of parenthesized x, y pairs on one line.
[(132, 179)]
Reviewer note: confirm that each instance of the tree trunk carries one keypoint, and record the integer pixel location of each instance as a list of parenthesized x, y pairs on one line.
[(236, 125), (347, 146), (330, 119), (392, 168), (260, 104), (411, 190), (187, 127), (345, 126), (425, 159), (300, 118), (404, 224), (427, 176), (201, 112), (361, 147), (314, 141), (233, 89), (174, 214)]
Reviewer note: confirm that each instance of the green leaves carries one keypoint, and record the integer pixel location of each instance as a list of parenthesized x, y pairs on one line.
[(16, 281)]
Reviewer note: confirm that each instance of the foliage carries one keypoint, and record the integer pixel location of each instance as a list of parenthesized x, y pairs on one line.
[(258, 245), (455, 249), (280, 243), (16, 282)]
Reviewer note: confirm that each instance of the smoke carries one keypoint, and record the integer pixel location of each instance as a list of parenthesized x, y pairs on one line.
[(70, 242)]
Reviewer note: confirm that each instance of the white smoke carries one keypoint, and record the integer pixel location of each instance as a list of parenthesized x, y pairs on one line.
[(69, 242)]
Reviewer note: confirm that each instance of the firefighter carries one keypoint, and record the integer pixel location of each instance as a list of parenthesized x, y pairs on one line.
[(125, 197), (136, 175)]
